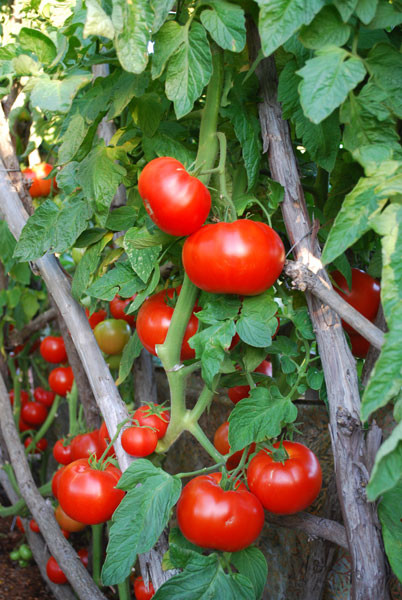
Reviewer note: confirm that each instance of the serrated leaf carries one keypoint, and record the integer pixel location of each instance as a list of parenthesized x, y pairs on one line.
[(280, 19), (210, 346), (37, 42), (56, 95), (142, 260), (262, 415), (168, 39), (387, 470), (85, 268), (89, 237), (162, 144), (226, 24), (72, 139), (252, 563), (121, 218), (365, 10), (161, 10), (126, 87), (387, 15), (119, 280), (141, 296), (327, 80), (218, 307), (189, 71), (147, 113), (97, 21), (131, 351), (345, 8), (29, 303), (132, 22), (384, 64), (257, 322), (390, 514), (140, 518), (325, 29)]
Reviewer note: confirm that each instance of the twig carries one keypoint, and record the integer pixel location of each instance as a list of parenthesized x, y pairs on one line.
[(18, 337)]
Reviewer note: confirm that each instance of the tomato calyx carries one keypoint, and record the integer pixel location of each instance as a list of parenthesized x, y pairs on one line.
[(277, 454)]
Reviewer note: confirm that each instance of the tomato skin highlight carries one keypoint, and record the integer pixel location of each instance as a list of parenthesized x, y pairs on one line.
[(139, 441), (212, 518), (61, 380), (153, 322), (33, 413), (112, 335), (117, 306), (140, 591), (45, 397), (159, 421), (221, 443), (238, 392), (89, 495), (288, 488), (244, 257), (176, 202), (364, 295), (53, 350), (39, 186)]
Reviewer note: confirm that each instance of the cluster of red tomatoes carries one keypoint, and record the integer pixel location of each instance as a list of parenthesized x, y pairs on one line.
[(33, 412)]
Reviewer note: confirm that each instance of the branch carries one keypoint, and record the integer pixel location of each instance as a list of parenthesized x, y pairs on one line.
[(18, 337), (303, 278)]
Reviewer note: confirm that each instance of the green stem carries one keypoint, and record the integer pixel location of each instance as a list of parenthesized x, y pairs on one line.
[(264, 210), (45, 425), (39, 375), (124, 590), (250, 380), (200, 436), (17, 393), (200, 471), (10, 474), (19, 506), (97, 531), (232, 214), (302, 369), (203, 401)]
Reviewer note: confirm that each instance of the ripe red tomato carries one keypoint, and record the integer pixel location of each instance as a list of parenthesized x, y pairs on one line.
[(24, 397), (34, 413), (61, 380), (286, 488), (364, 294), (53, 350), (85, 444), (104, 440), (177, 202), (33, 526), (153, 415), (43, 396), (67, 523), (112, 335), (212, 518), (244, 257), (117, 306), (22, 426), (19, 525), (36, 174), (221, 443), (239, 392), (139, 441), (89, 495), (62, 454), (84, 556), (55, 481), (55, 574), (141, 592), (153, 322), (40, 446), (96, 317), (360, 346)]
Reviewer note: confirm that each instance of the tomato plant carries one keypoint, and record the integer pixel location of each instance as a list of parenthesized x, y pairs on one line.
[(61, 380), (139, 441), (53, 350), (36, 176), (177, 202), (112, 335), (141, 591), (238, 392), (33, 413), (155, 416), (117, 306), (288, 487)]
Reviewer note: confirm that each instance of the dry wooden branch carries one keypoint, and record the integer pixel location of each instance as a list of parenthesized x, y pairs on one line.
[(304, 279), (20, 336), (348, 439)]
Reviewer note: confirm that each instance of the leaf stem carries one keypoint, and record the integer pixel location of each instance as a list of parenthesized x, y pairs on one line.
[(45, 425), (200, 436), (200, 471), (97, 531)]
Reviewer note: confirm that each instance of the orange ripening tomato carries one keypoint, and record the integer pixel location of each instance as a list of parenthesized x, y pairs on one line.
[(39, 185)]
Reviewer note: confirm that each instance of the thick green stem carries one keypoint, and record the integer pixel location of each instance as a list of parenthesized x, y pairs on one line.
[(226, 200), (124, 590), (200, 436), (203, 401), (97, 531), (45, 425)]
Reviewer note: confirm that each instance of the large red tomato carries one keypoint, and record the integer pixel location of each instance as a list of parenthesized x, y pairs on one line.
[(177, 202), (364, 294), (117, 306), (244, 257), (239, 392), (89, 495), (221, 443), (39, 186), (55, 481), (286, 488), (53, 350), (153, 415), (213, 518), (61, 380), (85, 444), (153, 322), (33, 413)]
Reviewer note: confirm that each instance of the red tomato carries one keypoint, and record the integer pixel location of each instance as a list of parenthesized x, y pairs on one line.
[(62, 454), (54, 572), (244, 257), (364, 294), (85, 444), (96, 317), (67, 523), (221, 443), (34, 526), (19, 524), (212, 518), (24, 397), (141, 592), (34, 413), (36, 174), (22, 426), (117, 306), (61, 380), (53, 350), (153, 415), (153, 322), (139, 441), (104, 440), (40, 446), (177, 202), (286, 488), (89, 495), (360, 346), (239, 392), (112, 335), (55, 481), (43, 396), (84, 556)]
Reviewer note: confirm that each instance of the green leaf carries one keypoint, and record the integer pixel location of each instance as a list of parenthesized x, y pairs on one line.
[(262, 415), (387, 15), (140, 518), (390, 514), (384, 64), (161, 10), (327, 80), (387, 470), (126, 87), (51, 228), (139, 299), (210, 346), (73, 138), (325, 29), (162, 144), (121, 218), (55, 95), (85, 269), (203, 578), (226, 24), (119, 280), (97, 21), (257, 322), (147, 113), (167, 41), (99, 177), (218, 307), (345, 8), (315, 378), (189, 70), (131, 351), (132, 22), (366, 9), (29, 303), (142, 261), (279, 20), (301, 319), (252, 563), (24, 65), (38, 43), (89, 237), (7, 246)]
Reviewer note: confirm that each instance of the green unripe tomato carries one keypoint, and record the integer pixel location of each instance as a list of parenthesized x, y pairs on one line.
[(15, 555), (112, 335), (113, 361), (25, 552), (23, 563), (77, 254)]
